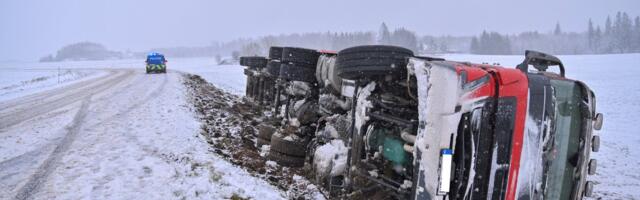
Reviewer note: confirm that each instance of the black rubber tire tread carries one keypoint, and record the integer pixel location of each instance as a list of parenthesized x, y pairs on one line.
[(253, 61), (291, 148), (275, 53), (293, 72), (327, 53), (269, 91), (301, 56), (430, 58), (255, 88), (273, 67), (248, 72), (371, 60), (265, 132), (286, 160), (249, 88)]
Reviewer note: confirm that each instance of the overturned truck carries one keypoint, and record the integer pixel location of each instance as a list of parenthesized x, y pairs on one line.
[(379, 122)]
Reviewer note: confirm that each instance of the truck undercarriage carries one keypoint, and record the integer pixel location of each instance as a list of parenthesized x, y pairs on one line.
[(378, 122)]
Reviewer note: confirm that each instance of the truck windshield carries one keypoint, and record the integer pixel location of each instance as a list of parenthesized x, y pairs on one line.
[(564, 157)]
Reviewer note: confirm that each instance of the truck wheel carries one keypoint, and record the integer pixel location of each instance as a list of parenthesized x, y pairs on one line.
[(249, 88), (300, 56), (294, 72), (273, 68), (275, 53), (372, 60), (264, 134), (286, 160), (253, 61), (296, 148)]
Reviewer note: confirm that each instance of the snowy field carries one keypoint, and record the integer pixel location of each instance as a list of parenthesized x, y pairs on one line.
[(614, 78)]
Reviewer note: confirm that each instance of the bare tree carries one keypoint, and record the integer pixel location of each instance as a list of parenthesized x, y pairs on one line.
[(384, 36), (252, 49)]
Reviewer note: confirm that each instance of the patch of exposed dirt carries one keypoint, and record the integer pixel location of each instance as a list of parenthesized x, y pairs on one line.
[(229, 126)]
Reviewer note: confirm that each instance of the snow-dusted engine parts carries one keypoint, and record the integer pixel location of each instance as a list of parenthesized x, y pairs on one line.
[(363, 102), (296, 107)]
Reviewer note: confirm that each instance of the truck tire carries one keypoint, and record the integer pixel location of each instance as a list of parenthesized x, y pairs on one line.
[(293, 72), (249, 88), (302, 57), (275, 53), (295, 148), (327, 75), (253, 61), (273, 68), (372, 60), (286, 160), (265, 131)]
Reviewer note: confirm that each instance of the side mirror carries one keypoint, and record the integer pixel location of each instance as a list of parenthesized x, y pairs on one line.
[(540, 61), (597, 121)]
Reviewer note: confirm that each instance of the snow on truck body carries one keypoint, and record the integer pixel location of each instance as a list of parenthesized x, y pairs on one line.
[(514, 134)]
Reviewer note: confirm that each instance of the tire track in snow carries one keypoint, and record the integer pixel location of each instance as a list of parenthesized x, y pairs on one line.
[(36, 180), (45, 102), (155, 93)]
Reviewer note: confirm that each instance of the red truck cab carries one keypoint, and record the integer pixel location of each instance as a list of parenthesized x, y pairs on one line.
[(490, 132)]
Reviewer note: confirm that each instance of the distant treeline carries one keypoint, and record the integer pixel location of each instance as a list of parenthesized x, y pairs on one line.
[(338, 41), (621, 35), (83, 51), (618, 35)]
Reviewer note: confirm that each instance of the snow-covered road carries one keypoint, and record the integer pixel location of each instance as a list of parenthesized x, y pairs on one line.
[(124, 135)]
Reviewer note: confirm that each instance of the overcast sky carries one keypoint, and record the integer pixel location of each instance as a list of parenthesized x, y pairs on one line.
[(30, 29)]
